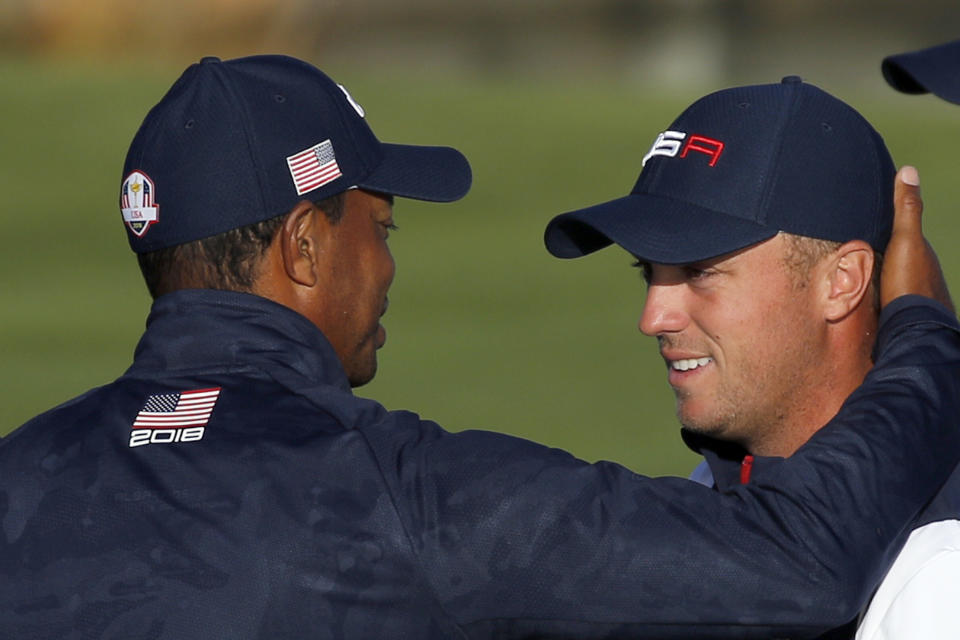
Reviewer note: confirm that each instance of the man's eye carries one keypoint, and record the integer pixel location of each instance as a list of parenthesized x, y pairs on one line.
[(694, 273)]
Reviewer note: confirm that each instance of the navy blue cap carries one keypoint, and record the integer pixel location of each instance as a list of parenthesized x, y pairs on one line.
[(240, 141), (739, 166), (933, 70)]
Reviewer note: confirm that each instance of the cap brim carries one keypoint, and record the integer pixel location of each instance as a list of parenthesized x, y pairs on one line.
[(653, 229), (935, 70), (437, 174)]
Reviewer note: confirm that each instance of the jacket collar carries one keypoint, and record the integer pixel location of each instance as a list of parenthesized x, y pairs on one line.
[(201, 329), (725, 459)]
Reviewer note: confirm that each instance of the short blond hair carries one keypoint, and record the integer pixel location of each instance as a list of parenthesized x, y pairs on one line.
[(803, 253)]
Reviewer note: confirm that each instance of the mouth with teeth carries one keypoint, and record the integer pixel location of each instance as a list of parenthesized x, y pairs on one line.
[(688, 364)]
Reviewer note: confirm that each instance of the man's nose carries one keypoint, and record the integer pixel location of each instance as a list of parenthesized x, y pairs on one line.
[(663, 311)]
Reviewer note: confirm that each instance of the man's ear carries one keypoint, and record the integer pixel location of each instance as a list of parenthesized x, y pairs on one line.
[(850, 270), (304, 231)]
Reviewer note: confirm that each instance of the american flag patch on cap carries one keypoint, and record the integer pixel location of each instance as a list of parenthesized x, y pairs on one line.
[(314, 167), (175, 410)]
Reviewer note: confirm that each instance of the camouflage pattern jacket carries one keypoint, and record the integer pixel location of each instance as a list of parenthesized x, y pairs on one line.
[(230, 485), (917, 595)]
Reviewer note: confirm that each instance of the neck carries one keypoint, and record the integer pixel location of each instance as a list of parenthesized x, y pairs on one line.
[(820, 393)]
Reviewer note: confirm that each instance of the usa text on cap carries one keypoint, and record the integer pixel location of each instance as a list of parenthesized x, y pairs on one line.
[(739, 166)]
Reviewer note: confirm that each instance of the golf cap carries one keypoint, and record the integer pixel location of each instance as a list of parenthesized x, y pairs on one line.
[(236, 142), (934, 70), (739, 166)]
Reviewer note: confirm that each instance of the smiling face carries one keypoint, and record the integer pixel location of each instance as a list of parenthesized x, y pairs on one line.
[(743, 343)]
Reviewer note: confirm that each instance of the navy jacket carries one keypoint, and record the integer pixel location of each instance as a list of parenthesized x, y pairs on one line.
[(728, 465), (229, 485)]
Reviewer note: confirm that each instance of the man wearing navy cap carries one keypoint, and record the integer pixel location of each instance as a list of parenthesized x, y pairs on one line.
[(760, 218), (229, 485)]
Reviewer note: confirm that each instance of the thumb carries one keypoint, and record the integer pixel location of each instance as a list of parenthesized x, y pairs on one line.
[(908, 204), (910, 265)]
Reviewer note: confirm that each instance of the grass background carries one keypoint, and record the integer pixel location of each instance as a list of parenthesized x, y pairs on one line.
[(485, 329)]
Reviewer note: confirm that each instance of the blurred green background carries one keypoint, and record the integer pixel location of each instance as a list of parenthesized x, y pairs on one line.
[(554, 104)]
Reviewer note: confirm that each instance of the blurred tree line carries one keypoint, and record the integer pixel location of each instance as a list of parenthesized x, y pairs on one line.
[(668, 42)]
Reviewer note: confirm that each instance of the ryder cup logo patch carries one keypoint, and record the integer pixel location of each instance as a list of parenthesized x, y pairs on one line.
[(670, 144), (137, 203), (314, 167), (168, 418)]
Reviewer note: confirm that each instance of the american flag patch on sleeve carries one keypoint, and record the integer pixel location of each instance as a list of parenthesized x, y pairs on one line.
[(314, 167)]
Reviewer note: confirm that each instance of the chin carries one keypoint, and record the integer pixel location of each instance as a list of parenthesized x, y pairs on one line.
[(700, 424), (358, 378), (696, 427)]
